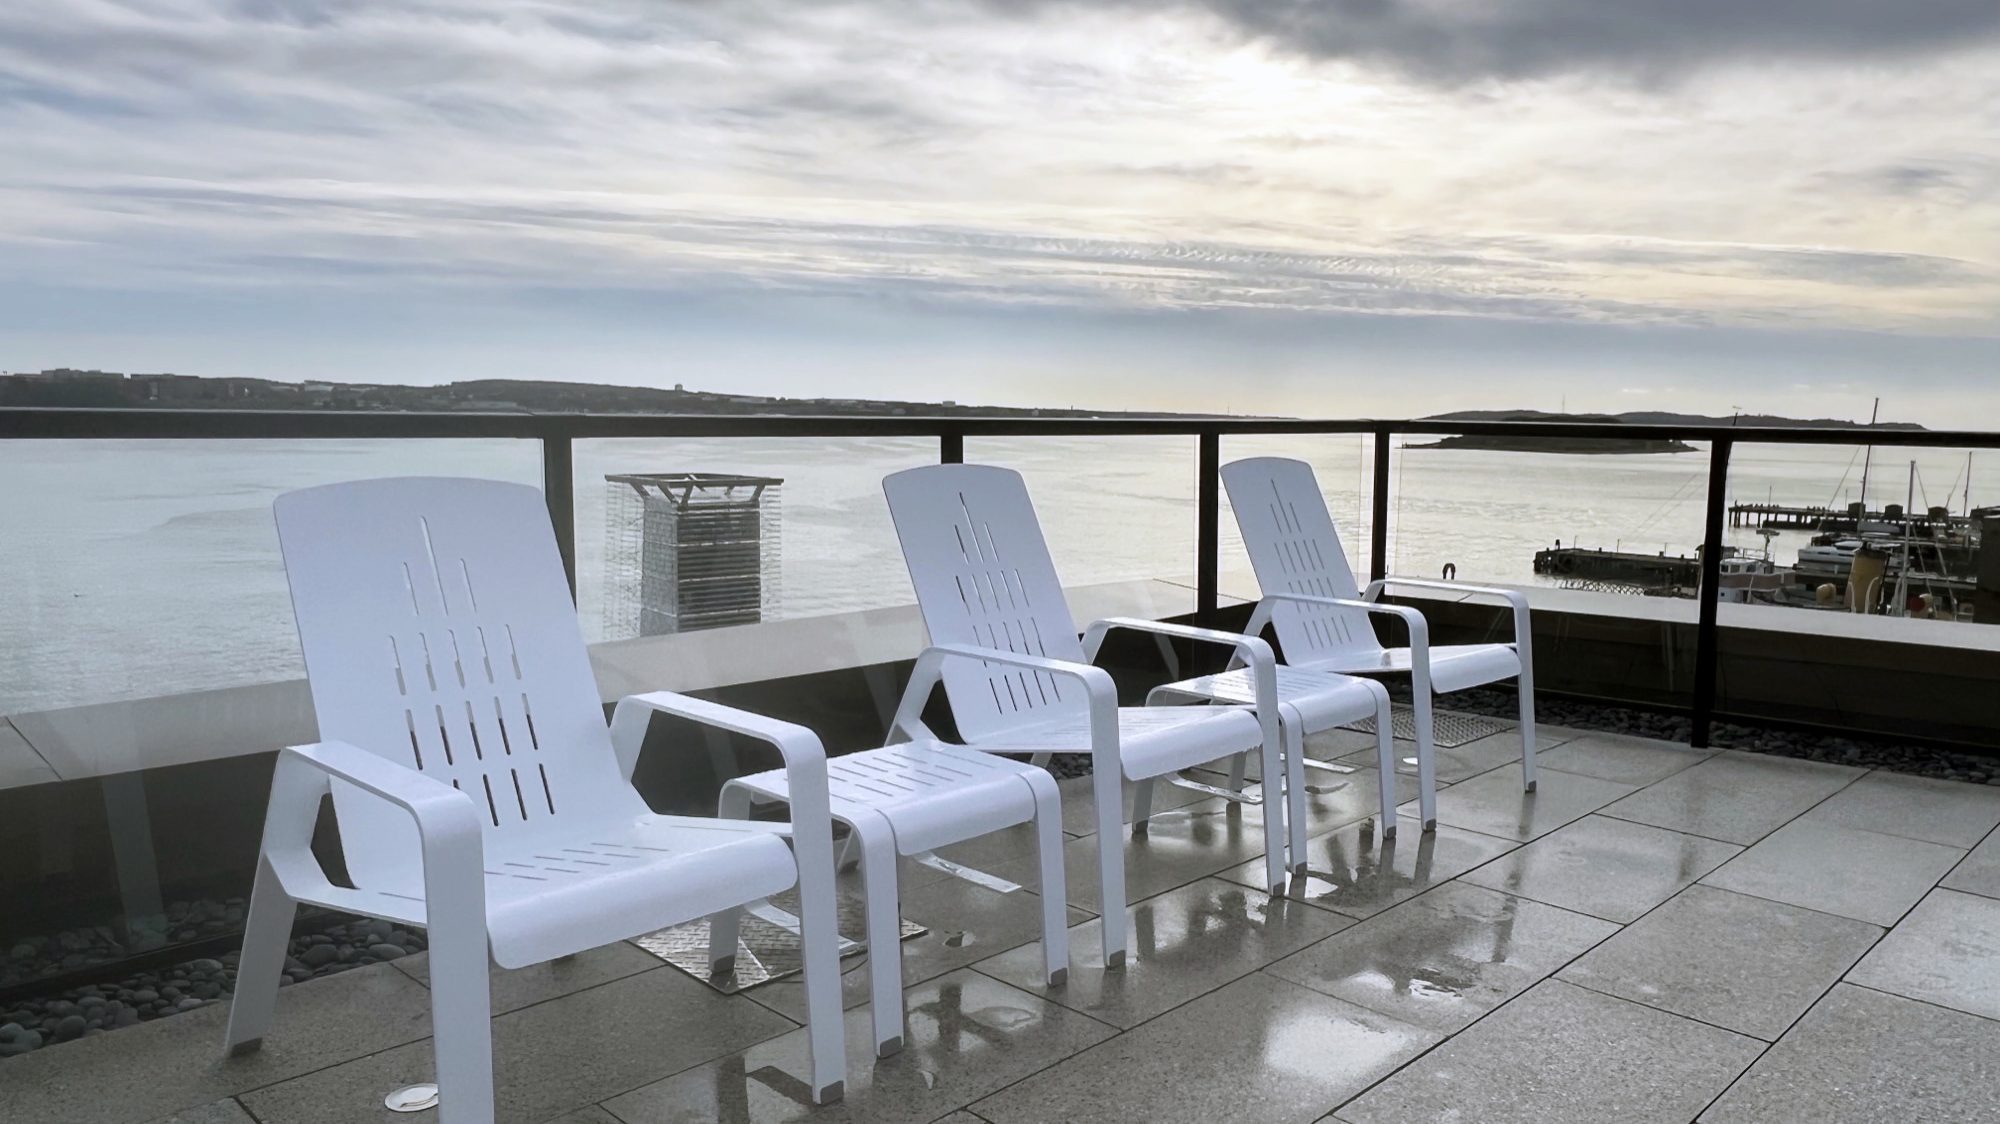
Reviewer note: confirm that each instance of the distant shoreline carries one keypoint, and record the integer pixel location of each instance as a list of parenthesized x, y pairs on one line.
[(1574, 446)]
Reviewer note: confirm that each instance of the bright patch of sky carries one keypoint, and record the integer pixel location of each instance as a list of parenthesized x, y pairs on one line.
[(1306, 206)]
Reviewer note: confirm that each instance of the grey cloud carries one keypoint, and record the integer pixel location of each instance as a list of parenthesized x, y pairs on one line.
[(1457, 41), (528, 241)]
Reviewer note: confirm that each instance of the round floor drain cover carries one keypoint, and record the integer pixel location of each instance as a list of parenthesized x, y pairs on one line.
[(416, 1098)]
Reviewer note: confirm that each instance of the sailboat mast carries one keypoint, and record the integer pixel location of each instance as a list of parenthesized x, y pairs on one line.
[(1866, 460)]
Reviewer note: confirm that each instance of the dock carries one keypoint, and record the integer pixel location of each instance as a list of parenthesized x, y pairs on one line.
[(1788, 517), (1652, 571)]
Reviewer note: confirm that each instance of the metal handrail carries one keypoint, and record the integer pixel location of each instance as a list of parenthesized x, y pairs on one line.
[(557, 432)]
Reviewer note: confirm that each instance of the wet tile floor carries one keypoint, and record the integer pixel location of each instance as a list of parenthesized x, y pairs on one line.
[(1658, 934)]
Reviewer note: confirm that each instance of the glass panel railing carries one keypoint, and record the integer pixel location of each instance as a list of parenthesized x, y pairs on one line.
[(766, 529), (1624, 517), (1116, 511), (149, 666), (1344, 466), (144, 568)]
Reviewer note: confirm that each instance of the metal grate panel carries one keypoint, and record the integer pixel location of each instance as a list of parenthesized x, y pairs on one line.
[(1450, 728)]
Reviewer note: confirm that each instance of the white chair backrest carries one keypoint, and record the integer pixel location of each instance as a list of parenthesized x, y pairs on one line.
[(1294, 548), (983, 576), (439, 633)]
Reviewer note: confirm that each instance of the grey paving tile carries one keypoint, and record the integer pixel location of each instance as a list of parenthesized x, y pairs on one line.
[(966, 923), (1257, 1050), (1179, 847), (218, 1112), (591, 1115), (1444, 959), (1841, 870), (968, 1036), (1741, 963), (960, 1117), (174, 1064), (1604, 867), (1182, 943), (1622, 758), (1947, 951), (513, 990), (1355, 797), (548, 1059), (1351, 870), (1953, 813), (1493, 803), (1560, 1054), (1978, 872), (1861, 1057), (1737, 797)]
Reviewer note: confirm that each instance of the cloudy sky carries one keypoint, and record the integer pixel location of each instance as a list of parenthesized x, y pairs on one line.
[(1307, 206)]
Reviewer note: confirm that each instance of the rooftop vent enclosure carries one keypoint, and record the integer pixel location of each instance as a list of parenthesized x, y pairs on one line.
[(686, 551)]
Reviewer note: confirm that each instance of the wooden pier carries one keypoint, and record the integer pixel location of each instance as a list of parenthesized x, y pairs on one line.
[(1786, 517), (1649, 571)]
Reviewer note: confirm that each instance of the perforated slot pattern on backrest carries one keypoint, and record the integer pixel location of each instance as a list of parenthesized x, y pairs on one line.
[(983, 576), (438, 633), (1294, 548)]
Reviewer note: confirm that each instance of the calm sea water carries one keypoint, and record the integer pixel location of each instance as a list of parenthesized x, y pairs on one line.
[(130, 569)]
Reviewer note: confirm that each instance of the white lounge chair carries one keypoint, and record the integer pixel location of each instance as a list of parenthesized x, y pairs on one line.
[(1005, 648), (477, 790), (1309, 595)]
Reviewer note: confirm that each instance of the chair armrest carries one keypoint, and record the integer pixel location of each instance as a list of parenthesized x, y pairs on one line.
[(439, 809), (1250, 649), (1420, 630), (1098, 688), (800, 748), (448, 823), (1518, 601)]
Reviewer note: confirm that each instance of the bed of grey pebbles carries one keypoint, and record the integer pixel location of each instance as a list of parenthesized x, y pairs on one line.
[(1874, 753), (144, 996)]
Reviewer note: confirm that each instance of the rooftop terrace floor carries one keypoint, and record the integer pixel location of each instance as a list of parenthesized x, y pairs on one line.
[(1659, 933)]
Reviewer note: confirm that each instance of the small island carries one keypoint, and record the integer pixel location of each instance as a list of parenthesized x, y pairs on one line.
[(1573, 445)]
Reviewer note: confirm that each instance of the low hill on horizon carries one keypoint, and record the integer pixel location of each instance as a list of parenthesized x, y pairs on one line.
[(1665, 417)]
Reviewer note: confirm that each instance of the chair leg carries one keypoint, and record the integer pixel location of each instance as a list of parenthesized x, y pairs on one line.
[(1110, 865), (725, 928), (1420, 701), (267, 929), (461, 1018), (1274, 806), (877, 841), (1385, 757), (1142, 806), (1294, 731), (1239, 770), (819, 946), (1053, 886), (1527, 688)]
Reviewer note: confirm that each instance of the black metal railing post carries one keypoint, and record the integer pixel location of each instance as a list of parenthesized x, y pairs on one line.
[(1378, 530), (1708, 596), (951, 448), (1207, 526), (559, 492)]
